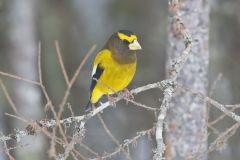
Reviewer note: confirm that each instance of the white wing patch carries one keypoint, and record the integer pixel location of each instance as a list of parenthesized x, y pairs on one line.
[(94, 70)]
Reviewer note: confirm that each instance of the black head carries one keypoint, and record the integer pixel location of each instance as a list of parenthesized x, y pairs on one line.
[(123, 44)]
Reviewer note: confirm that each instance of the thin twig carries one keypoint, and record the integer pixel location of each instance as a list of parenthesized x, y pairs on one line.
[(88, 149), (76, 74), (67, 92), (9, 99), (7, 152), (52, 151), (221, 107), (65, 97), (142, 105), (222, 116), (19, 78), (52, 123), (79, 155), (213, 102), (39, 62), (214, 85), (127, 143), (221, 140), (60, 60), (112, 137), (17, 117)]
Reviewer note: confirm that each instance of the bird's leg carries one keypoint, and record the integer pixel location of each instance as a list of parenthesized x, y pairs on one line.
[(112, 100), (127, 95)]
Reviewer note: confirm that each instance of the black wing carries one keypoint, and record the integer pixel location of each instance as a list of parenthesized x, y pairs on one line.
[(95, 77)]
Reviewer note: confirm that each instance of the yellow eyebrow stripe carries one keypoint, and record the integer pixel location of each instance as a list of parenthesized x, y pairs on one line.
[(125, 37)]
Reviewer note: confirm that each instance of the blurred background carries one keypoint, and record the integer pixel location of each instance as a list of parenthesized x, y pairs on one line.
[(78, 25)]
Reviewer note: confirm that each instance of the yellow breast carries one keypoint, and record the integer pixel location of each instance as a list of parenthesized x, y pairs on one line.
[(115, 77)]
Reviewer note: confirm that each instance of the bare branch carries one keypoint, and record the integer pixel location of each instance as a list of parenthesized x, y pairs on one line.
[(127, 154), (72, 81), (221, 140), (168, 86), (61, 62), (9, 99), (52, 123), (213, 102), (221, 107), (19, 78), (143, 105), (7, 152), (223, 115), (127, 143), (39, 62)]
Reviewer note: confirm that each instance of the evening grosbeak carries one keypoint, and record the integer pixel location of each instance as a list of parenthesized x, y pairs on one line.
[(114, 66)]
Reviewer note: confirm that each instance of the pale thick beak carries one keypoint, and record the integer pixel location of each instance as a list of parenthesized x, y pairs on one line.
[(134, 45)]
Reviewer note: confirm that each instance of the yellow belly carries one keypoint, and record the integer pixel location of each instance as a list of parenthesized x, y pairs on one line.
[(116, 77)]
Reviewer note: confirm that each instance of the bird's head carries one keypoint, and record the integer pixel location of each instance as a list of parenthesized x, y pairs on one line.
[(123, 46), (129, 40)]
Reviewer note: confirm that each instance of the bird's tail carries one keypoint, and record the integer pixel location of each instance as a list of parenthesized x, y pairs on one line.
[(89, 106)]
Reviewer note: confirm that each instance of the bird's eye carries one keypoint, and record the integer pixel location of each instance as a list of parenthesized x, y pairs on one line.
[(125, 42)]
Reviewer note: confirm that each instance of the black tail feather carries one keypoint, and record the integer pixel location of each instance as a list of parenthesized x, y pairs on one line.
[(89, 106)]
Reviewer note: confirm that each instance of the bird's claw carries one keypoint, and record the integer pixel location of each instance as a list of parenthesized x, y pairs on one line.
[(112, 100), (127, 95)]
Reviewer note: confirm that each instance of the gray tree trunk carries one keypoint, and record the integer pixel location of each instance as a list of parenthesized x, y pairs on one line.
[(2, 125), (186, 136), (23, 54)]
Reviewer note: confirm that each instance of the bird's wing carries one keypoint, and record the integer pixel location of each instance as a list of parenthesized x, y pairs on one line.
[(100, 64), (96, 74)]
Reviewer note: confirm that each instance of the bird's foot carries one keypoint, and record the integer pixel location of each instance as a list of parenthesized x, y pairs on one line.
[(127, 95), (112, 100)]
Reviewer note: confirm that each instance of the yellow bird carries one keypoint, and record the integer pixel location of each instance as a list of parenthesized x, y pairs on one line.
[(114, 66)]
